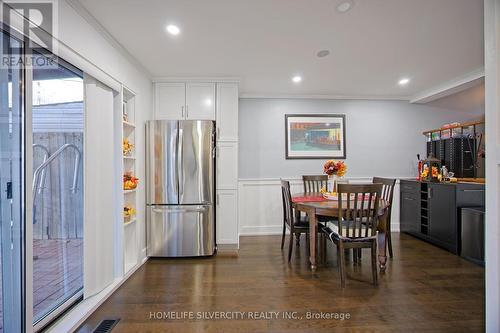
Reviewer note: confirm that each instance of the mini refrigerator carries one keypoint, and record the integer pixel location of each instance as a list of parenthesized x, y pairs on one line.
[(472, 234)]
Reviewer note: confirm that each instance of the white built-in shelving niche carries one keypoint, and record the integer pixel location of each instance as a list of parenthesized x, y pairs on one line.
[(130, 225)]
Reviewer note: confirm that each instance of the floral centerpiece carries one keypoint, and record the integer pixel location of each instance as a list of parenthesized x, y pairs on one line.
[(334, 170)]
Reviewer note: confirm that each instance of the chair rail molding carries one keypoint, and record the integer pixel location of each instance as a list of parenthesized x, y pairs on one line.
[(260, 210)]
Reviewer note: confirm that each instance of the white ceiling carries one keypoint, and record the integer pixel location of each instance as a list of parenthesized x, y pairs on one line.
[(266, 42)]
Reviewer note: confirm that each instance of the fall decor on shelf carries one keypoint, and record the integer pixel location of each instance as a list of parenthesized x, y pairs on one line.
[(127, 147), (129, 181), (128, 211)]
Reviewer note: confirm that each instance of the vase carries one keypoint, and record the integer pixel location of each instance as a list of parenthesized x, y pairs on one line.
[(332, 183)]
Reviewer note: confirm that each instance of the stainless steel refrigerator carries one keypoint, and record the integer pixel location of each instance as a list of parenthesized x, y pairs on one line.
[(180, 188)]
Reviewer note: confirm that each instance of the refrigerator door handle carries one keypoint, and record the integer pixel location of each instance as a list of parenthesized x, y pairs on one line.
[(179, 210), (180, 165), (176, 163)]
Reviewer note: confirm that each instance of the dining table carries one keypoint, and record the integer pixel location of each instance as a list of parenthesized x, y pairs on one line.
[(315, 204)]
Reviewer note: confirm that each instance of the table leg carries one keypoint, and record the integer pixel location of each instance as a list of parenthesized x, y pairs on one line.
[(382, 241), (313, 231)]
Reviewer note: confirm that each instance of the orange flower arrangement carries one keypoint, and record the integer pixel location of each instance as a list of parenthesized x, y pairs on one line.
[(337, 168)]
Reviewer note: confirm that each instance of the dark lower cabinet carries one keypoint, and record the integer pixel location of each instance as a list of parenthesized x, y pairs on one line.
[(410, 206), (409, 215), (430, 210), (442, 216)]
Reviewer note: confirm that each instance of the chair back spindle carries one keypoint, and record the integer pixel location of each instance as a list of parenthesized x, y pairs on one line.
[(358, 206), (387, 189), (314, 183)]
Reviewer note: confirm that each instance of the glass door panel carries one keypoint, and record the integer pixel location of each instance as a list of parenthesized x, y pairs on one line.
[(58, 123), (11, 186)]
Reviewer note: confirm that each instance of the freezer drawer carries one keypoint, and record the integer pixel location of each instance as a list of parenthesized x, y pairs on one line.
[(180, 231)]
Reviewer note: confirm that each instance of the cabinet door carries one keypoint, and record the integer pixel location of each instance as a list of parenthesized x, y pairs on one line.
[(227, 111), (227, 217), (410, 214), (227, 165), (170, 101), (443, 222), (200, 101)]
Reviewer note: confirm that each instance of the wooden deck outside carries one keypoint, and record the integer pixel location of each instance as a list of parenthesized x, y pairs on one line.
[(57, 272)]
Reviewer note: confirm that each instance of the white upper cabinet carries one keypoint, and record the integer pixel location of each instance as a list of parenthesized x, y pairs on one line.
[(227, 111), (170, 101), (181, 101), (200, 101)]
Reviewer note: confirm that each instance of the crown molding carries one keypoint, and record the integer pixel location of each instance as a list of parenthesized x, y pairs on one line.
[(322, 97), (211, 79), (87, 16), (450, 87)]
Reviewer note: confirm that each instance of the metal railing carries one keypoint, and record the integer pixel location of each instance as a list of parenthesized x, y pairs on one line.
[(45, 157), (37, 175)]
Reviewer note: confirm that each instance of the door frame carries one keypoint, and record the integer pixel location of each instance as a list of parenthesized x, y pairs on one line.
[(24, 194)]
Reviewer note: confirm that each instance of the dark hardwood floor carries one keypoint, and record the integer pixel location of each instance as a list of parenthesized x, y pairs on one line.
[(425, 289)]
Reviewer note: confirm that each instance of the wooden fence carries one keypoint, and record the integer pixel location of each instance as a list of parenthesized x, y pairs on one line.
[(58, 213)]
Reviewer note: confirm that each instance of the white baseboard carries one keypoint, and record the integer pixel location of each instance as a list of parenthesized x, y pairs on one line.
[(261, 230), (260, 208)]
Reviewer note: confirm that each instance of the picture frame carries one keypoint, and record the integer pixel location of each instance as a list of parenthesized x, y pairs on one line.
[(315, 136)]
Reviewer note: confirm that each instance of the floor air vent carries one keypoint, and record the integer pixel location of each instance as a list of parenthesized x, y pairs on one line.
[(106, 326)]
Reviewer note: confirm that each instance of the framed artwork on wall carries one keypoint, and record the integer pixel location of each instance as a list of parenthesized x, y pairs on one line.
[(315, 136)]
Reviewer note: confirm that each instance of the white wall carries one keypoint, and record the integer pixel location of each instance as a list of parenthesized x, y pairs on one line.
[(383, 139)]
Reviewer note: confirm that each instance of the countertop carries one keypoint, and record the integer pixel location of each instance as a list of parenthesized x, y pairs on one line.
[(472, 181)]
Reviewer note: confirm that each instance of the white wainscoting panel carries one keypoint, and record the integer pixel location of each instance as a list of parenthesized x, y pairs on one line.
[(260, 206)]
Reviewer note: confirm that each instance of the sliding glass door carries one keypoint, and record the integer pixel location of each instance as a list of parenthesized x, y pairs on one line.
[(12, 179), (40, 142), (57, 128)]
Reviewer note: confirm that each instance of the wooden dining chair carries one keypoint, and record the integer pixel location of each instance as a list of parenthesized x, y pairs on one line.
[(297, 225), (387, 195), (314, 183), (356, 227)]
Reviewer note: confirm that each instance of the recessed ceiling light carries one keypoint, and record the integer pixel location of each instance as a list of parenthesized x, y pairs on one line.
[(345, 6), (173, 29), (404, 81), (323, 53), (297, 79)]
